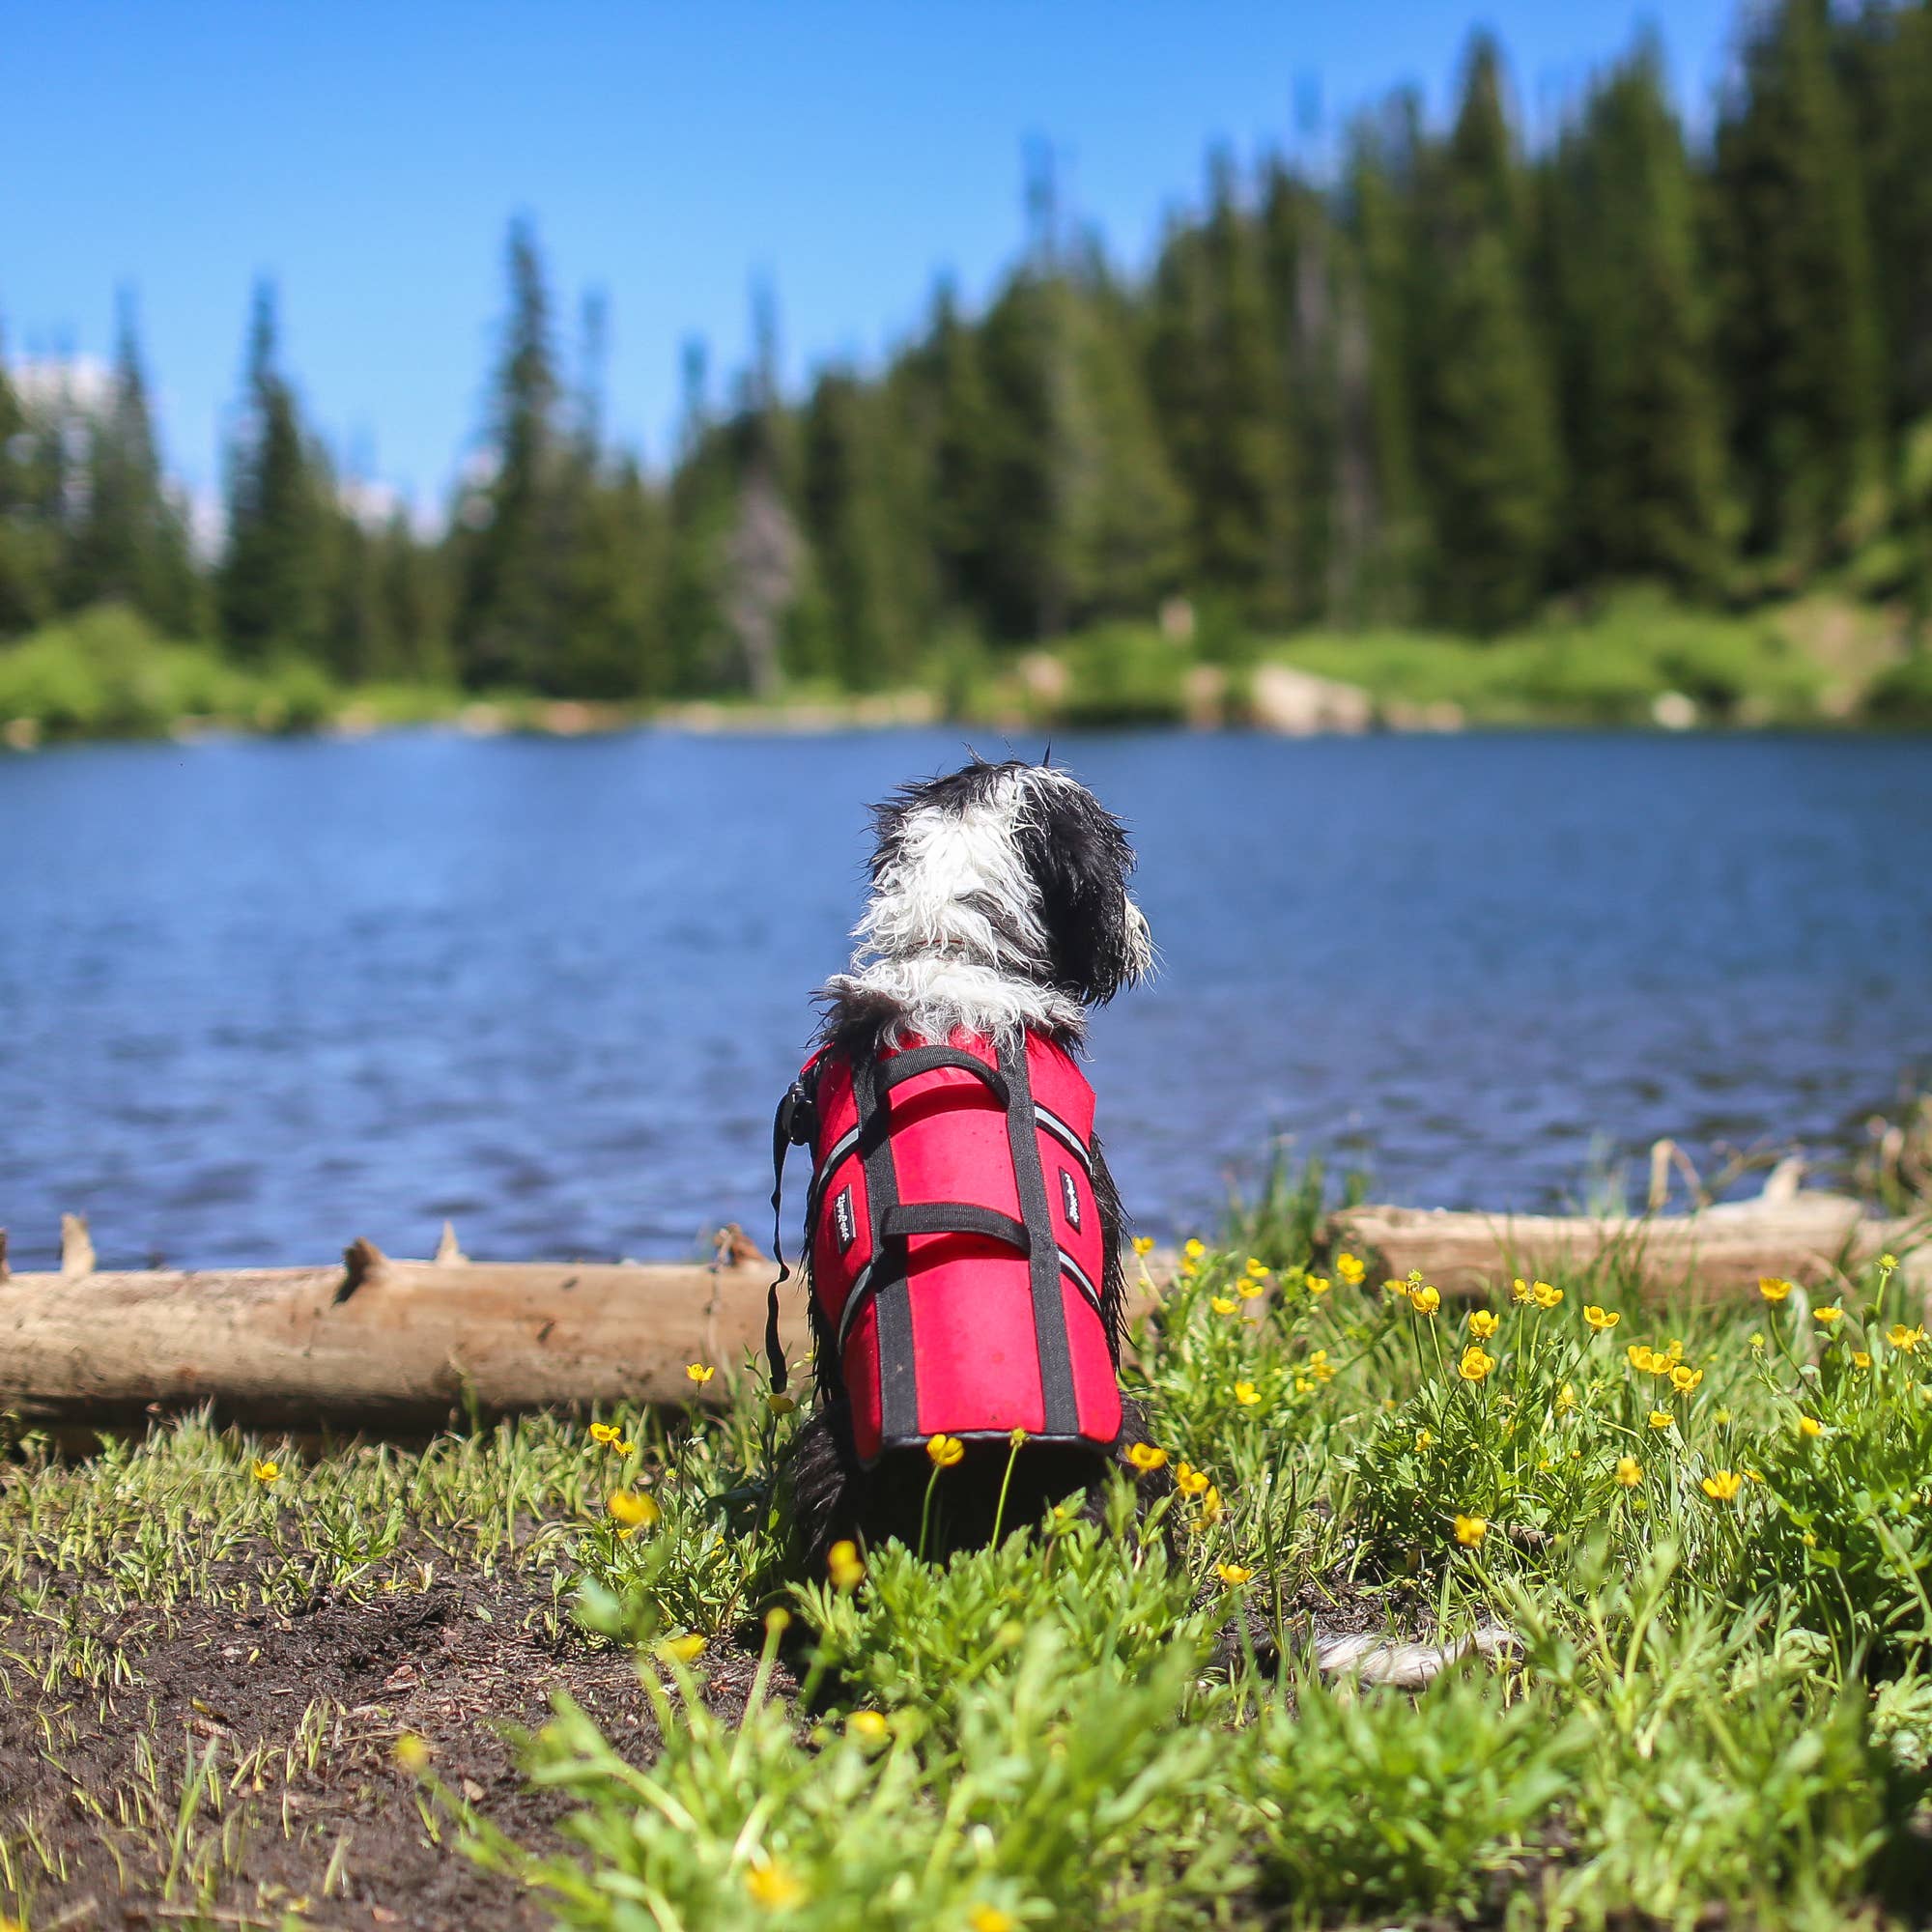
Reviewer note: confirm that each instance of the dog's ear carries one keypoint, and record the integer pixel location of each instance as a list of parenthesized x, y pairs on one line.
[(1078, 854)]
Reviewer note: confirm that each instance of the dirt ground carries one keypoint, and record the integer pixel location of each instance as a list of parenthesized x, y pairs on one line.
[(329, 1829)]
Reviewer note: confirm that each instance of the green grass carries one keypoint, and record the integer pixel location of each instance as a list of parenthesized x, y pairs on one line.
[(1605, 668), (1710, 1530)]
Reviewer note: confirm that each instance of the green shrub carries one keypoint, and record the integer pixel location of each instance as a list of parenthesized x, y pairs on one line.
[(1902, 696), (1124, 674)]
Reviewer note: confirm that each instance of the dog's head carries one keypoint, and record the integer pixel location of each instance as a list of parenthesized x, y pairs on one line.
[(1012, 867)]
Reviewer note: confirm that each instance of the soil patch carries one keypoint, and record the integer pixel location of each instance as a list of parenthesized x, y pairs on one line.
[(288, 1725)]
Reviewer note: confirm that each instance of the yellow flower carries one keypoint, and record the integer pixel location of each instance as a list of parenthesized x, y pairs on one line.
[(868, 1728), (1470, 1530), (1684, 1379), (638, 1512), (1143, 1245), (1017, 1437), (1518, 1290), (1660, 1418), (1809, 1425), (1247, 1394), (685, 1649), (1303, 1385), (1888, 1263), (1221, 1304), (1257, 1269), (1475, 1364), (1904, 1339), (1809, 1539), (778, 1620), (1638, 1353), (1723, 1486), (844, 1565), (1187, 1271), (1566, 1398), (1675, 1351), (604, 1432), (265, 1471), (1773, 1287), (1247, 1288), (1544, 1294), (1757, 1342), (780, 1404), (1320, 1367), (1146, 1458), (944, 1451), (990, 1918), (1425, 1300), (1424, 1440), (1210, 1505), (1484, 1324), (1602, 1318), (1233, 1574), (1318, 1284), (1191, 1481), (771, 1885), (409, 1751), (700, 1373), (1828, 1318), (1349, 1267), (1192, 1248), (1630, 1471), (1861, 1359)]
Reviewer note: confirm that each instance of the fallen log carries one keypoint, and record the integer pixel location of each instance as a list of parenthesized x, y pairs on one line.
[(1807, 1237), (389, 1348), (403, 1347)]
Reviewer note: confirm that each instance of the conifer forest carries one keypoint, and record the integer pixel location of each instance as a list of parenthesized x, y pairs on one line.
[(1457, 381)]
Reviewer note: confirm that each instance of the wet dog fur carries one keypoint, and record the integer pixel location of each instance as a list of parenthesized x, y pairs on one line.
[(999, 903)]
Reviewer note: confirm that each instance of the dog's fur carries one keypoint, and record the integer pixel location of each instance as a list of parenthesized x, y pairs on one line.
[(999, 903)]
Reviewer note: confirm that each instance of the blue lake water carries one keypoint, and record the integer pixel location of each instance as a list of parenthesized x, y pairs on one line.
[(258, 998)]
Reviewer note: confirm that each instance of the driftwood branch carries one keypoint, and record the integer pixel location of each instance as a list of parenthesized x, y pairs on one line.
[(402, 1348)]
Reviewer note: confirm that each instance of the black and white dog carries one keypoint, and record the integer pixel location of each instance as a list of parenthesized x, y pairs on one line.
[(1000, 913)]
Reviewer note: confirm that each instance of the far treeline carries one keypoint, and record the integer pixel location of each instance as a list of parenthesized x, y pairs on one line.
[(1450, 384)]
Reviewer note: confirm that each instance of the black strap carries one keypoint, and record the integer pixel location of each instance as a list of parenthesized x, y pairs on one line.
[(1049, 1313), (892, 1297), (954, 1217), (791, 1126), (918, 1060)]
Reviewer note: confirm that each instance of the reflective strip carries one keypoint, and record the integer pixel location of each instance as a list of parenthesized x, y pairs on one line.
[(1080, 1279), (861, 1281), (1066, 1137)]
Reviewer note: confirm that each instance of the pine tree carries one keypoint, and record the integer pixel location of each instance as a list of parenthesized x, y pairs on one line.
[(1386, 340), (962, 461), (1644, 440), (1216, 366), (131, 544), (508, 623), (1888, 63), (272, 587), (1125, 514), (26, 574), (861, 639), (1488, 431), (1799, 332)]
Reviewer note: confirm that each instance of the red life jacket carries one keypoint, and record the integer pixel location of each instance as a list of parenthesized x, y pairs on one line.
[(954, 1241)]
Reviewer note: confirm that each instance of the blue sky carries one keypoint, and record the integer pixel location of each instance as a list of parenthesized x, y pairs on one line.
[(369, 157)]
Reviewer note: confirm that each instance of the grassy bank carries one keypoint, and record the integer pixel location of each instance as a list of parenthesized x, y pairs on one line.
[(249, 1683), (1634, 663)]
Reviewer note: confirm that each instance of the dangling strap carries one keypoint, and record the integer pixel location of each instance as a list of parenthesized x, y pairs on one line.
[(791, 1126)]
